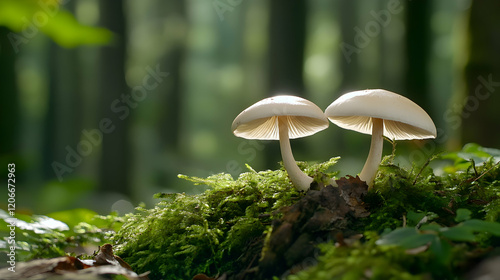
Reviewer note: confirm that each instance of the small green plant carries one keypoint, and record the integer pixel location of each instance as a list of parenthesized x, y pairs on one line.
[(40, 236), (442, 241), (360, 260)]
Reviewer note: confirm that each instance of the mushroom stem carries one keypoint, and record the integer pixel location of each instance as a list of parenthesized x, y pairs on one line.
[(299, 179), (375, 155)]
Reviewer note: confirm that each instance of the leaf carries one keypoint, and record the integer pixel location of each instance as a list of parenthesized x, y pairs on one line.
[(106, 257), (407, 238), (430, 227), (463, 215), (42, 224), (36, 267), (50, 18), (67, 268), (458, 233), (441, 249), (414, 217), (491, 151), (483, 226), (396, 236)]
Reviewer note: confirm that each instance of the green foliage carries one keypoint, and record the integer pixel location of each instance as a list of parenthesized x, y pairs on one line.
[(439, 238), (44, 237), (360, 261), (433, 226), (471, 154), (473, 184), (50, 18), (421, 225), (404, 253), (207, 233), (398, 191)]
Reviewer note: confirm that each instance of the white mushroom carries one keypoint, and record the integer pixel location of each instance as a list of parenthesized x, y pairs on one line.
[(282, 117), (380, 112)]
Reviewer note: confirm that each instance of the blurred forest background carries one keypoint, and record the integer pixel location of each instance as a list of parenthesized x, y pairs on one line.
[(103, 103)]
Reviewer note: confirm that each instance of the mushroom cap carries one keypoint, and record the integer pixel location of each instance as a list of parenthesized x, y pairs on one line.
[(260, 121), (403, 119)]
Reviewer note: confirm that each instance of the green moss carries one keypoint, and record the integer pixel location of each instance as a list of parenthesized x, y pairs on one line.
[(207, 233), (399, 191), (361, 261), (223, 229), (423, 223), (458, 213)]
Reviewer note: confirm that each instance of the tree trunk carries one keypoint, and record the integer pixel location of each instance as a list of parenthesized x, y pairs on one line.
[(480, 122), (64, 111), (115, 158), (9, 101), (170, 121), (171, 92), (349, 60), (286, 46), (417, 51)]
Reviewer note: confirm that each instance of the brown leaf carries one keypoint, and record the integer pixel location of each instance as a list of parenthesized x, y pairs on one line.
[(67, 268), (106, 257), (202, 277), (71, 264), (36, 267), (110, 270)]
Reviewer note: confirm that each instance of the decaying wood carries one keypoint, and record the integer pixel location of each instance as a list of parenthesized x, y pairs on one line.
[(321, 215)]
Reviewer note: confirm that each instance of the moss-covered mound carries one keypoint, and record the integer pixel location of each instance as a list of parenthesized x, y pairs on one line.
[(438, 220), (423, 226), (416, 228), (220, 230)]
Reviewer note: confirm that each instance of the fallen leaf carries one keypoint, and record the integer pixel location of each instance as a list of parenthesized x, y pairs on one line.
[(106, 257), (70, 268), (25, 270)]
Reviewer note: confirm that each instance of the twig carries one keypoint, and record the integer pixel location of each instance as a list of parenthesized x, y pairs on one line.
[(425, 165), (485, 172)]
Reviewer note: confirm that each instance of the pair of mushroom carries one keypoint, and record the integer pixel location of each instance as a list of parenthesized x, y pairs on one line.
[(377, 112)]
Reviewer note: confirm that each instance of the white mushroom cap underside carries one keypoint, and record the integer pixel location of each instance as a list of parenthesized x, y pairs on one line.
[(260, 121), (403, 119)]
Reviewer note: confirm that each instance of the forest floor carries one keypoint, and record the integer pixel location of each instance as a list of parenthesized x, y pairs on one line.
[(440, 220)]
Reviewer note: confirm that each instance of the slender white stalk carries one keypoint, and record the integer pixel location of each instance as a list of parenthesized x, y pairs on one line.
[(299, 178), (375, 155)]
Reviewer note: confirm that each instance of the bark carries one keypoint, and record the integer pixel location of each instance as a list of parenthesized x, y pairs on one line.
[(116, 150), (480, 122), (9, 100), (417, 51)]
